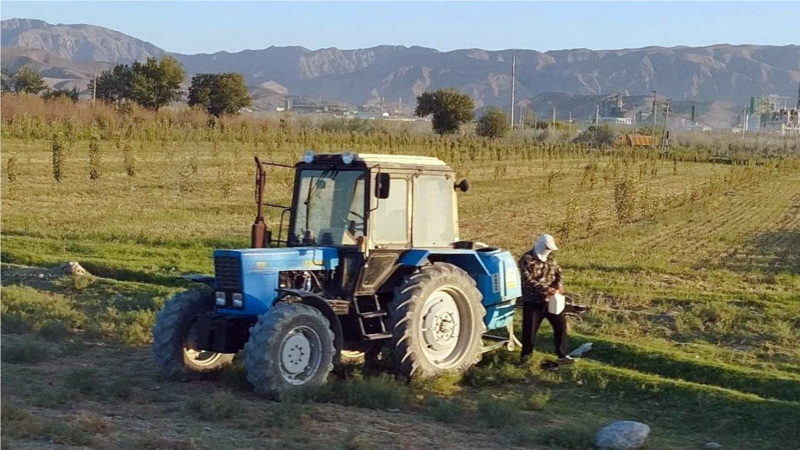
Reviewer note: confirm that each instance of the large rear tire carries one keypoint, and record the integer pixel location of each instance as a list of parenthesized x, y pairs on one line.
[(291, 348), (437, 321), (174, 359)]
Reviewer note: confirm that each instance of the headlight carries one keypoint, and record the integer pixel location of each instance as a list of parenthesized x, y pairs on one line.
[(220, 299), (237, 300), (348, 157), (308, 157)]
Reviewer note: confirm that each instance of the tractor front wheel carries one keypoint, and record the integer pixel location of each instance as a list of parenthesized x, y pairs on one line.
[(291, 347), (174, 358), (437, 321)]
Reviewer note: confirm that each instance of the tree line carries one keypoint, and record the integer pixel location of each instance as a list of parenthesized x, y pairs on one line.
[(157, 83), (152, 84)]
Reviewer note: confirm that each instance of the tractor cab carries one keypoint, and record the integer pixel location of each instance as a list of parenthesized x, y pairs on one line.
[(366, 258)]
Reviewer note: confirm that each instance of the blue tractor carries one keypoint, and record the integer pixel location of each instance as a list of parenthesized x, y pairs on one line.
[(370, 261)]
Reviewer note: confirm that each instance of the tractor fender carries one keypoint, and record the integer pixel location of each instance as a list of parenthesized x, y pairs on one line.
[(319, 303)]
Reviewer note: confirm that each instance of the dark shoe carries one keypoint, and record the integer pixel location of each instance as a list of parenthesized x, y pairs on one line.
[(565, 361), (550, 366)]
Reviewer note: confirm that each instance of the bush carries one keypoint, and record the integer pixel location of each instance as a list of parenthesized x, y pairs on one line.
[(85, 381), (493, 124), (444, 410), (599, 136), (54, 332), (382, 392), (497, 414), (570, 437), (446, 383), (23, 352), (625, 193), (220, 405)]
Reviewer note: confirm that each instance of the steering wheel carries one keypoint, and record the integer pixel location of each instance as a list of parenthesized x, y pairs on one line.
[(357, 225)]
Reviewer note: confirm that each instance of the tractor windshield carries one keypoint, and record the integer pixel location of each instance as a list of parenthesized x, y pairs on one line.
[(328, 207)]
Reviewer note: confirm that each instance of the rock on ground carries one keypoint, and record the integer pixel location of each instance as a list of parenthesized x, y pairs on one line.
[(70, 268), (622, 435)]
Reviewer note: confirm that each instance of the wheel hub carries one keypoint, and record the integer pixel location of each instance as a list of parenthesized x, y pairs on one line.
[(440, 324), (300, 355), (296, 353)]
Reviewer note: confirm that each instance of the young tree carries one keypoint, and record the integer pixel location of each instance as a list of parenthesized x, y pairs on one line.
[(450, 109), (493, 124), (219, 93), (28, 81)]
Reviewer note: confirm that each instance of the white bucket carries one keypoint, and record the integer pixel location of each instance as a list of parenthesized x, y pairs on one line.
[(556, 303)]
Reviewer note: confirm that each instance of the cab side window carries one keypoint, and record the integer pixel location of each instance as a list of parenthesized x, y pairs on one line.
[(390, 219)]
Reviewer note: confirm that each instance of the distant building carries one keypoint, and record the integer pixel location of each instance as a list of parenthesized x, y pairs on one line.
[(617, 120)]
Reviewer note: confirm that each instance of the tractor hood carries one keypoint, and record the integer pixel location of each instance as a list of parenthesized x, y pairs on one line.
[(254, 272), (285, 258)]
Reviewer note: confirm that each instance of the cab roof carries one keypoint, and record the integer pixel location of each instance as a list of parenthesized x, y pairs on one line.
[(399, 159), (388, 161)]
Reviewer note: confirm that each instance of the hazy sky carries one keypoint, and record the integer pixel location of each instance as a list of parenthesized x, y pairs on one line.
[(206, 27)]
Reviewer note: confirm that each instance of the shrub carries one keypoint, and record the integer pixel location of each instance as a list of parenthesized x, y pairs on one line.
[(84, 381), (571, 437), (599, 136), (57, 147), (54, 332), (625, 193), (382, 392), (446, 383), (27, 352), (444, 410), (220, 405), (493, 124), (497, 414), (11, 168), (95, 157)]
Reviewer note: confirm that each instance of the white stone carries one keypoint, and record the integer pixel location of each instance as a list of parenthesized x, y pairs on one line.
[(622, 435)]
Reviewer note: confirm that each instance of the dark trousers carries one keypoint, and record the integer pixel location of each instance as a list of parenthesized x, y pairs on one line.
[(532, 315)]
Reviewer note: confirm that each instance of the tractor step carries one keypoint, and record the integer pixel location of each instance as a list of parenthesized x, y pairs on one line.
[(376, 336), (373, 314)]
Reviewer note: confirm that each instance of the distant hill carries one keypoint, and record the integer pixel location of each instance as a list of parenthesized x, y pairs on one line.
[(717, 77), (76, 42)]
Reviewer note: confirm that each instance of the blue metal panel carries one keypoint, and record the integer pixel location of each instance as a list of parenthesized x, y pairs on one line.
[(261, 267), (414, 258)]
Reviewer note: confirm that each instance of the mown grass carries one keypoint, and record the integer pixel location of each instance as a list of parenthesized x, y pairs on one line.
[(690, 266)]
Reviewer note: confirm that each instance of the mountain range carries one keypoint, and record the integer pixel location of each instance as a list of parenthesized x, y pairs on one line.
[(718, 78)]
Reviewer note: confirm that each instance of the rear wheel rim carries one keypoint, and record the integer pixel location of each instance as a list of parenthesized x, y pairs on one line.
[(201, 358), (446, 330), (300, 355)]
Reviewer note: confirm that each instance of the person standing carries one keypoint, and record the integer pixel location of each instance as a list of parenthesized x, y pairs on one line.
[(541, 278)]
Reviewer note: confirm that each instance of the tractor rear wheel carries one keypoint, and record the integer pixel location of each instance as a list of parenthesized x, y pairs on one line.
[(291, 347), (175, 360), (437, 321)]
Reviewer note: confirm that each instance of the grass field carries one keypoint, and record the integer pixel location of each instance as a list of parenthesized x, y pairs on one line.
[(692, 270)]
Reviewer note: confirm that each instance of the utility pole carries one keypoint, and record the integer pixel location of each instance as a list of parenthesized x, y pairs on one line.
[(597, 115), (653, 131), (554, 119), (664, 134), (633, 119), (570, 122), (94, 87), (513, 86)]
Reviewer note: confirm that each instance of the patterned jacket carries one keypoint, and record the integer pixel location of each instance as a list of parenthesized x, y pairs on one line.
[(537, 276)]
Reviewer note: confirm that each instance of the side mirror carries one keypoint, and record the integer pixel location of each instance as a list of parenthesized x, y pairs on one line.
[(382, 185), (462, 185)]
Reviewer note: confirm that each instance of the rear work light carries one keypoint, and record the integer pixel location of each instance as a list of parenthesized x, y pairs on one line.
[(220, 299)]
